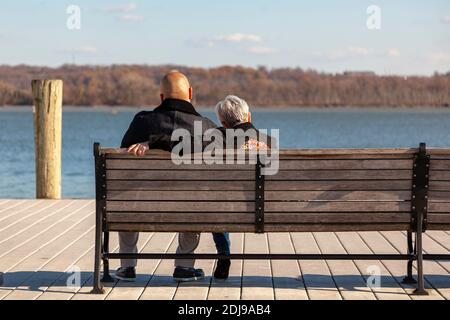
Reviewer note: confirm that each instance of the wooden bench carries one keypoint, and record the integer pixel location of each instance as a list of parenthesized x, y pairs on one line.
[(315, 190)]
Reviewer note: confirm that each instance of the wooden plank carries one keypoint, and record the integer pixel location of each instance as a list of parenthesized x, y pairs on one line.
[(315, 274), (434, 218), (257, 274), (59, 290), (439, 185), (168, 165), (21, 235), (182, 227), (439, 175), (182, 195), (439, 196), (313, 175), (318, 175), (198, 175), (23, 262), (334, 164), (161, 285), (389, 288), (439, 164), (17, 251), (394, 185), (159, 243), (322, 206), (44, 209), (439, 207), (39, 281), (438, 151), (237, 218), (269, 195), (351, 284), (298, 152), (8, 205), (22, 225), (20, 210), (198, 290), (380, 244), (230, 289), (84, 293), (398, 240), (287, 280)]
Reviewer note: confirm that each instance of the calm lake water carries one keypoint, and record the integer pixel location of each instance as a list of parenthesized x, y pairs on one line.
[(299, 128)]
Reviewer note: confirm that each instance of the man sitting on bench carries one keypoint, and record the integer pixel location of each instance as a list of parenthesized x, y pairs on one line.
[(153, 129)]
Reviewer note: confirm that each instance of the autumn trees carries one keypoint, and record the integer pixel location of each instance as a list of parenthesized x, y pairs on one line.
[(138, 85)]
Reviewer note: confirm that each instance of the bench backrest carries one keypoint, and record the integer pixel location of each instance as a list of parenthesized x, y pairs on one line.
[(314, 190), (438, 217)]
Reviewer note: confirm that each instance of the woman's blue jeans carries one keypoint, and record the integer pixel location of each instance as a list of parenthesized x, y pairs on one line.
[(222, 241)]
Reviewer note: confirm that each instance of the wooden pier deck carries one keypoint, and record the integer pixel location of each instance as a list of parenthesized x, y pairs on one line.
[(41, 240)]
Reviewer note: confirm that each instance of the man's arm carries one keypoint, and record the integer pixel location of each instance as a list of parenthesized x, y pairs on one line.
[(137, 132), (135, 136)]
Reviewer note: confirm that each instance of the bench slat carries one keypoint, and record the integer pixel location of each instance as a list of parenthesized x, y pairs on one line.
[(322, 206), (323, 217), (269, 195), (394, 185), (250, 175), (439, 196), (301, 152), (323, 227), (440, 164), (439, 175), (438, 218), (143, 164), (439, 207)]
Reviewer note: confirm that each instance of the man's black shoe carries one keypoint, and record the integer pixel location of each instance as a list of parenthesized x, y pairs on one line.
[(222, 269), (187, 274), (126, 274)]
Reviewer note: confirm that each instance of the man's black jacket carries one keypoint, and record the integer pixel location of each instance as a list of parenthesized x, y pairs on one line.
[(157, 126)]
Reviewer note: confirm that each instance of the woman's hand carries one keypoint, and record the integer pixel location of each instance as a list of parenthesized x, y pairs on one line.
[(139, 149)]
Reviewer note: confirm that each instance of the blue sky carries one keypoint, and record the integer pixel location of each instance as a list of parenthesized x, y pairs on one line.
[(331, 36)]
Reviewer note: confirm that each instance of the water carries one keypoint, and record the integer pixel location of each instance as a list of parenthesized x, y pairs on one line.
[(299, 128)]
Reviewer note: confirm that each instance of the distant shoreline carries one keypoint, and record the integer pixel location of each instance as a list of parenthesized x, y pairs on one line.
[(114, 109)]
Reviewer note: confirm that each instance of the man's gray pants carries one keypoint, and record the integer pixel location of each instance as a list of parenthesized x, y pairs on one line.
[(187, 243)]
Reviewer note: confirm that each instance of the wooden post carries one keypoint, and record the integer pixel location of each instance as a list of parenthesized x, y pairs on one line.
[(47, 99)]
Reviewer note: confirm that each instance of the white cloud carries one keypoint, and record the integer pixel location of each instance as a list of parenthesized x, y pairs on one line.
[(85, 50), (261, 50), (393, 52), (131, 17), (128, 7), (446, 19), (238, 37), (346, 53), (358, 51), (232, 39), (440, 57)]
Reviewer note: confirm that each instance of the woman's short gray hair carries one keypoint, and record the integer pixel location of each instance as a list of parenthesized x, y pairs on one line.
[(232, 110)]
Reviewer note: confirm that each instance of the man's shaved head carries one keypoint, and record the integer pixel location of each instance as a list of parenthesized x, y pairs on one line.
[(175, 85)]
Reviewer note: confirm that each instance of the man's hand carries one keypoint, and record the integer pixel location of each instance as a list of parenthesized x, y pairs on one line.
[(139, 149)]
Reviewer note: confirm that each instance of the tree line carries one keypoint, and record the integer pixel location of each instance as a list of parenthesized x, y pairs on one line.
[(138, 85)]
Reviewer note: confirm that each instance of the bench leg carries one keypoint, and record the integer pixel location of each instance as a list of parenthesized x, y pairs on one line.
[(106, 275), (409, 279), (97, 286), (420, 291)]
